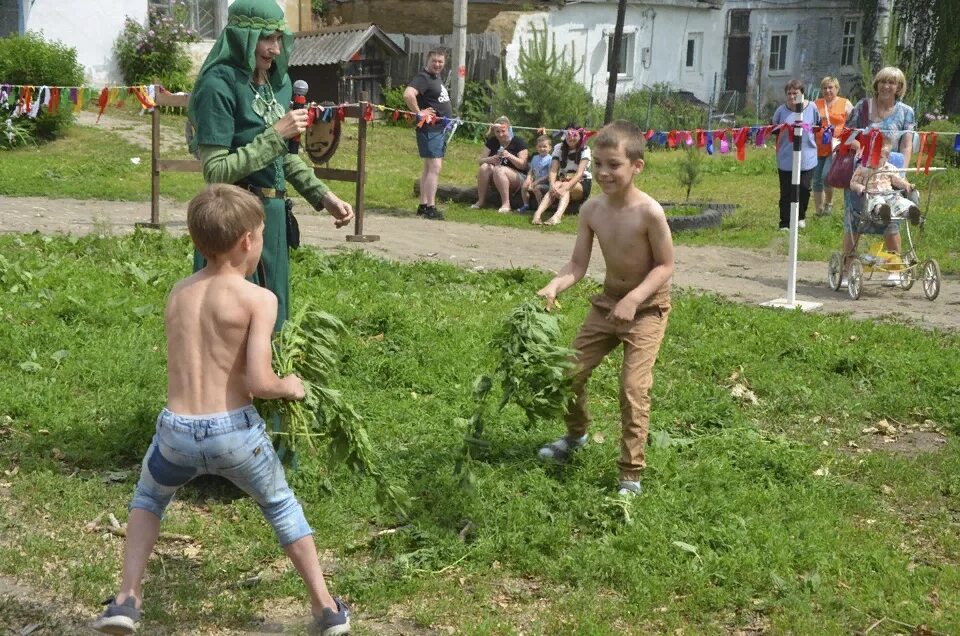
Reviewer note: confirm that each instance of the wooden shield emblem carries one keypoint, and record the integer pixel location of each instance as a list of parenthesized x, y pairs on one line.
[(322, 138)]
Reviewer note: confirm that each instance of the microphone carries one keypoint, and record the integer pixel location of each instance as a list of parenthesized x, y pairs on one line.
[(300, 89)]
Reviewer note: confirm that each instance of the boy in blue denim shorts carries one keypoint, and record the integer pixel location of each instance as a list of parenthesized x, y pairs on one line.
[(219, 328)]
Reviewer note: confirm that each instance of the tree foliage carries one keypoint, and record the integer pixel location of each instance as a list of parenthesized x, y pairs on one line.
[(928, 29), (544, 91)]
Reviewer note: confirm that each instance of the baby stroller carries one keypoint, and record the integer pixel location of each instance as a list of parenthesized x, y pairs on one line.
[(904, 267)]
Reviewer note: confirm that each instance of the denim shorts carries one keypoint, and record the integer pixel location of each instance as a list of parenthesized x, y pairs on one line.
[(233, 445), (431, 142)]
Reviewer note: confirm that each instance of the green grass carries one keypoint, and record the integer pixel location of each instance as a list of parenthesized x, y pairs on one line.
[(91, 163), (735, 529)]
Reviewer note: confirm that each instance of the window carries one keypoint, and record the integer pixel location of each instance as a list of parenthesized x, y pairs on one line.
[(739, 22), (692, 57), (778, 52), (203, 16), (625, 66), (848, 47)]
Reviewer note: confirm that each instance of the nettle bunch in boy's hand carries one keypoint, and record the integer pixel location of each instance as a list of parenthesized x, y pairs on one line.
[(533, 371), (308, 346)]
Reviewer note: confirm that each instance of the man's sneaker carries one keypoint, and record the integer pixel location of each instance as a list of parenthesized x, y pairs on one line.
[(331, 623), (421, 209), (523, 209), (913, 213), (118, 619), (560, 450), (432, 213), (629, 488)]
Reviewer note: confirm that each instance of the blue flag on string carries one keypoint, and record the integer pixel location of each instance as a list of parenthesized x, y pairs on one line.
[(709, 143)]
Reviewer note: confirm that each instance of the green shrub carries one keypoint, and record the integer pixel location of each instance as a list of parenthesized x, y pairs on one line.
[(393, 98), (475, 106), (689, 171), (30, 60), (155, 54), (545, 90), (660, 108)]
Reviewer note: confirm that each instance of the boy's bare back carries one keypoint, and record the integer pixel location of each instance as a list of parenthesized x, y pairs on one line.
[(634, 236), (217, 327)]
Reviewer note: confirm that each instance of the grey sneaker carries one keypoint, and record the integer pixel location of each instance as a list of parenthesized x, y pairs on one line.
[(118, 619), (560, 450), (332, 623), (629, 488)]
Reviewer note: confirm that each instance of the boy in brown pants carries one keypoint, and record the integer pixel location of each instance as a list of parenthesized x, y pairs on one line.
[(638, 251)]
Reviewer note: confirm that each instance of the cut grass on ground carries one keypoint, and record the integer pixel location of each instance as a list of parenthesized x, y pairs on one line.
[(786, 515)]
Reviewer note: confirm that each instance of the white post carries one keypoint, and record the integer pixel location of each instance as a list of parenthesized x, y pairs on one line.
[(795, 204), (791, 302), (458, 68)]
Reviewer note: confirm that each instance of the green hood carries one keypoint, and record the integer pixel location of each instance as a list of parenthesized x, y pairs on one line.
[(247, 22)]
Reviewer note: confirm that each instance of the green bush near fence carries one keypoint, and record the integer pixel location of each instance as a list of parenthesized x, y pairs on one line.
[(31, 60)]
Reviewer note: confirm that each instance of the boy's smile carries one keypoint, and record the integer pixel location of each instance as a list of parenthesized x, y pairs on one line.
[(613, 170)]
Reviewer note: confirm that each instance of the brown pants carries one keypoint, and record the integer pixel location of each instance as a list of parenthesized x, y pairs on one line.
[(641, 342)]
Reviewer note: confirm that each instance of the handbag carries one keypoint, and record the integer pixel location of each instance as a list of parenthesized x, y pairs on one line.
[(844, 159), (293, 228), (841, 168)]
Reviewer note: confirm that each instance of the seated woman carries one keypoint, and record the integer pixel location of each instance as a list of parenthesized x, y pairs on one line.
[(569, 175), (504, 162)]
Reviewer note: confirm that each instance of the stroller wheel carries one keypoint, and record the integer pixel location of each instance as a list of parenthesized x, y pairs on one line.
[(835, 271), (855, 281), (930, 276), (908, 274)]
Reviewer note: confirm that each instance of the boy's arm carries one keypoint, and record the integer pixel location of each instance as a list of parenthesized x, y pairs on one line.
[(900, 182), (262, 382), (576, 268)]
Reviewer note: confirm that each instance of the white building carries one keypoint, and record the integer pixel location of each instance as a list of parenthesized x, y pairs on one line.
[(92, 26), (704, 46)]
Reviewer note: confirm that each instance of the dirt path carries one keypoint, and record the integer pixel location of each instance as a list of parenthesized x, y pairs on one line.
[(748, 276)]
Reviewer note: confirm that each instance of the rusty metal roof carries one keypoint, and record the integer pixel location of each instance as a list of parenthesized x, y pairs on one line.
[(335, 44)]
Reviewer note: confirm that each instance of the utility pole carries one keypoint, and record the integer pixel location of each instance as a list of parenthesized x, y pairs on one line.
[(458, 65), (615, 61)]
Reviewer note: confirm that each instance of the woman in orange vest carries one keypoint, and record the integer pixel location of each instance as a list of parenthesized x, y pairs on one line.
[(833, 110)]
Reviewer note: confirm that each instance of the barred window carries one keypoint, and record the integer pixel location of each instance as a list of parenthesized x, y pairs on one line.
[(848, 47), (203, 16), (778, 52)]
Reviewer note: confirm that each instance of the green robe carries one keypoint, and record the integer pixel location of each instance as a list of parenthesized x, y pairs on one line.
[(236, 144)]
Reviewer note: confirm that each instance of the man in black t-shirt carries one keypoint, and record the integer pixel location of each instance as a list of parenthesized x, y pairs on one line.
[(427, 96)]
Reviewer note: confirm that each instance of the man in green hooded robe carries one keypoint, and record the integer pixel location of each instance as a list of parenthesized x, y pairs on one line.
[(240, 112)]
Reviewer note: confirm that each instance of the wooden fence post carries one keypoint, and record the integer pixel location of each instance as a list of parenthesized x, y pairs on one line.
[(158, 165), (358, 236)]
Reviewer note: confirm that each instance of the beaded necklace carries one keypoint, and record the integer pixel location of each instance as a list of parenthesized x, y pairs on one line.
[(266, 106)]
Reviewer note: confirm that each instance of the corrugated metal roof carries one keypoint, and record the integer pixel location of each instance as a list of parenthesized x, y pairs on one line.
[(332, 45)]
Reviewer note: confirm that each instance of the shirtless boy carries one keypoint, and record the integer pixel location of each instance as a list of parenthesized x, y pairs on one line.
[(638, 251), (219, 328)]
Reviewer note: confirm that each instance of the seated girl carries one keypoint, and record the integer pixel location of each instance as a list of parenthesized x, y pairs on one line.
[(569, 175)]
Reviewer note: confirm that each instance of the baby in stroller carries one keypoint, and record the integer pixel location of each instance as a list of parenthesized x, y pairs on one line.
[(883, 202)]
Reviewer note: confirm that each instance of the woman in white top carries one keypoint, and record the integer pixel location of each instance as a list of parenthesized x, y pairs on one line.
[(569, 176)]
